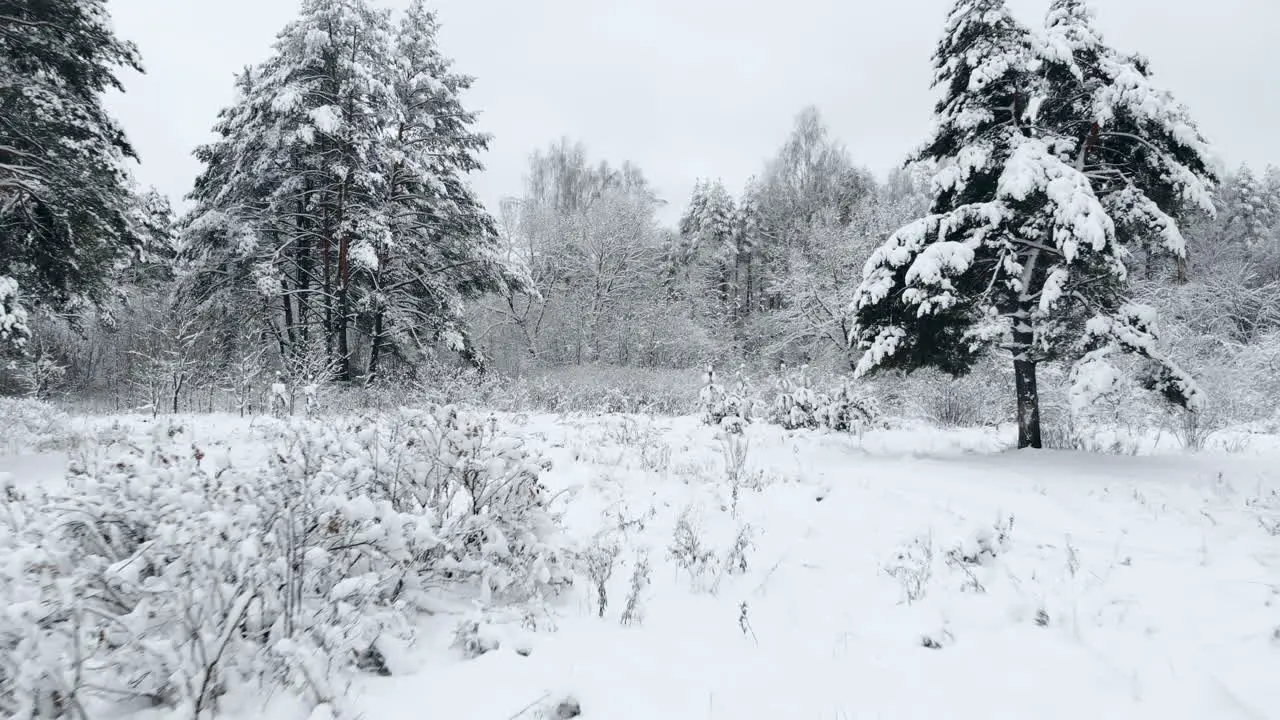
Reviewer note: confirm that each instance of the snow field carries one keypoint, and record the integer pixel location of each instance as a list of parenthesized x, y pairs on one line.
[(908, 573), (1128, 587)]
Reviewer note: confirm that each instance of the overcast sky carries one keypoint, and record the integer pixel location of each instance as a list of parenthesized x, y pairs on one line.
[(693, 88)]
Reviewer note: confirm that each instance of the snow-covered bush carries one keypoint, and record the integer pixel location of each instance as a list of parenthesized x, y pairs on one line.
[(734, 448), (717, 403), (687, 548), (796, 404), (969, 401), (985, 544), (166, 575), (849, 410), (1098, 409), (912, 567), (641, 576), (735, 560), (30, 424), (589, 389), (482, 487), (159, 578), (599, 562), (40, 372)]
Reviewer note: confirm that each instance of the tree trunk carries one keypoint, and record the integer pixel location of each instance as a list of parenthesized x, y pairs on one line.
[(343, 309), (1024, 372), (1024, 363), (375, 349)]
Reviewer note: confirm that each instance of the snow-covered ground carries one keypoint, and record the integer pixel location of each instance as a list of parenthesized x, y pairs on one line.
[(904, 574)]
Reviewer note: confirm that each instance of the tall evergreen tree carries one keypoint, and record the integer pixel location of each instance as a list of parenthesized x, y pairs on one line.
[(443, 246), (704, 263), (151, 261), (1058, 158), (1247, 213), (64, 196), (336, 191)]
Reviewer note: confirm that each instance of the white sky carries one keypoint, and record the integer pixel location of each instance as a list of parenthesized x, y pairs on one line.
[(692, 88)]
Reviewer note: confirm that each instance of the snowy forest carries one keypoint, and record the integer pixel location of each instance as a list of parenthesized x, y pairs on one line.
[(446, 453)]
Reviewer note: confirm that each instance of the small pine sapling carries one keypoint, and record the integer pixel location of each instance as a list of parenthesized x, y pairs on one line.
[(796, 405), (849, 411), (711, 399), (719, 405)]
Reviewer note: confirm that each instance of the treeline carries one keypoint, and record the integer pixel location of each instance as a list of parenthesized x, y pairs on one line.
[(333, 238), (760, 274)]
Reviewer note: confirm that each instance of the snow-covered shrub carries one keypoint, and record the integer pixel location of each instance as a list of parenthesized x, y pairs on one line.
[(601, 389), (985, 544), (491, 511), (912, 567), (1267, 509), (1193, 429), (162, 579), (687, 548), (475, 636), (948, 402), (14, 327), (628, 430), (796, 404), (849, 410), (463, 387), (32, 425), (718, 404), (734, 448), (1099, 408), (735, 560), (655, 456), (633, 612), (40, 372), (599, 562), (164, 576)]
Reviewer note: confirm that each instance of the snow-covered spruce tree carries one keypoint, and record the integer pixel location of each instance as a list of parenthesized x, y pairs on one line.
[(1248, 212), (335, 191), (707, 256), (682, 250), (748, 242), (151, 261), (1057, 157), (64, 197)]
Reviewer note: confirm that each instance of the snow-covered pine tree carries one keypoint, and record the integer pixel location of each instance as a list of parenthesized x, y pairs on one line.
[(443, 246), (705, 260), (1247, 216), (151, 261), (64, 197), (1056, 157), (718, 239), (682, 251), (336, 191), (291, 193), (1271, 181), (748, 241)]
